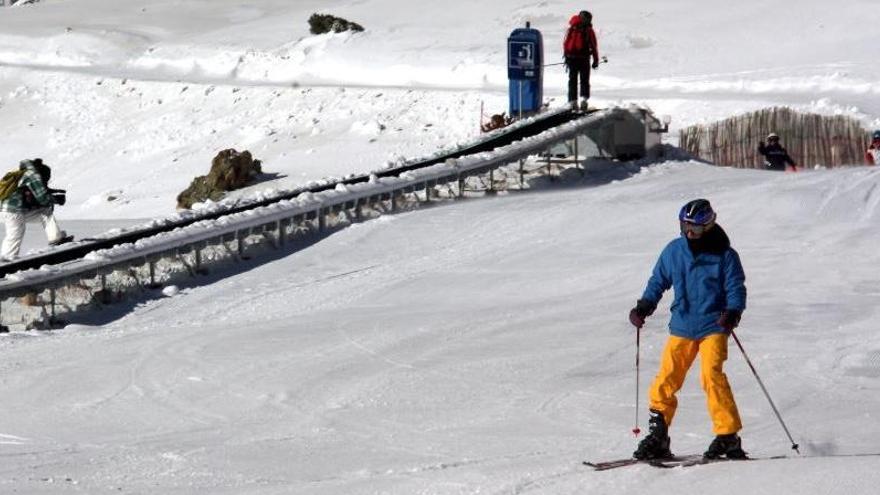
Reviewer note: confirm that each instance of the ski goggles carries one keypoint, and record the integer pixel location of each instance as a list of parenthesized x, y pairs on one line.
[(695, 228)]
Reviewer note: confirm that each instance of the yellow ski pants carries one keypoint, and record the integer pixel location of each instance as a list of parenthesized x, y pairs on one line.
[(677, 357)]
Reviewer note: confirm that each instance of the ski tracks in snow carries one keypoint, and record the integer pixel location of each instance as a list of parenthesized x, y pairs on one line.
[(6, 439), (859, 184)]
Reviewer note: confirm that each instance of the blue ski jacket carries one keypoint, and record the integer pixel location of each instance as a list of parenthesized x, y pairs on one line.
[(705, 284)]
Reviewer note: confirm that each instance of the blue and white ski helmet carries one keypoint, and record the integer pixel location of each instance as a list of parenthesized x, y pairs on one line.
[(877, 134), (698, 212)]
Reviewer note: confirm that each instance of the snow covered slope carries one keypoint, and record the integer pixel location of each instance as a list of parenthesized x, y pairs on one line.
[(473, 347)]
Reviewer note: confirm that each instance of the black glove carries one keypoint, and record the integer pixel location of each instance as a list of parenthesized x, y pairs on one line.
[(595, 64), (729, 319), (642, 310), (59, 198)]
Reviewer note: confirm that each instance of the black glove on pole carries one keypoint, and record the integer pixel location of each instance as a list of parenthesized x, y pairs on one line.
[(729, 319), (642, 310)]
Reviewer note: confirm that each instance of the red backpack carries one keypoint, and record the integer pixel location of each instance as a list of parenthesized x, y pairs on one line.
[(574, 43)]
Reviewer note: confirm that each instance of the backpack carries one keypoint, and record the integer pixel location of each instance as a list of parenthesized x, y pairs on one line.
[(9, 183), (575, 42), (43, 171)]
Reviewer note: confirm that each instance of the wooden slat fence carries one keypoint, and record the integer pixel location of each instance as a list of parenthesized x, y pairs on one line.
[(811, 139)]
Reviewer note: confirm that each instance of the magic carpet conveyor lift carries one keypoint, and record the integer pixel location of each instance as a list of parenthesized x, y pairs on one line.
[(80, 249)]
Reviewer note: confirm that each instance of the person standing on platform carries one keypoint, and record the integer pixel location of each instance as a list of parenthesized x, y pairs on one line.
[(579, 47)]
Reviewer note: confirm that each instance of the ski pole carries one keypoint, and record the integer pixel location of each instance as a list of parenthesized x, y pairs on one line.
[(603, 60), (636, 430), (794, 446)]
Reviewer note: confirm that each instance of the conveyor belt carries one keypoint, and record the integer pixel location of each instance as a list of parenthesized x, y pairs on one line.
[(78, 250)]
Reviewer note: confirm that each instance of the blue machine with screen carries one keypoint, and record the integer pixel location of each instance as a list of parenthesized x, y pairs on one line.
[(525, 70)]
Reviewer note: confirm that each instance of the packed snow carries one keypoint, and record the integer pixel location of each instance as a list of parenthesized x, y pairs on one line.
[(479, 346)]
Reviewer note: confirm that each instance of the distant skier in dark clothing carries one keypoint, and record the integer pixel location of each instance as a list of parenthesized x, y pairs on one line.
[(775, 156), (579, 47)]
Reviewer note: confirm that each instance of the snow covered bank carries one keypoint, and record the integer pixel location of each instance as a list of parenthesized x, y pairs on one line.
[(133, 100)]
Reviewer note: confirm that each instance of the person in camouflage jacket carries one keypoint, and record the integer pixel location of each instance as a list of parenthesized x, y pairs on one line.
[(33, 200)]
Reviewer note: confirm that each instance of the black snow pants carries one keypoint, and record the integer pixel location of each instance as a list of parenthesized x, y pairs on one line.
[(578, 68)]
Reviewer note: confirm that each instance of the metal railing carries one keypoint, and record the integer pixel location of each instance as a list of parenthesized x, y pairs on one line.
[(79, 249)]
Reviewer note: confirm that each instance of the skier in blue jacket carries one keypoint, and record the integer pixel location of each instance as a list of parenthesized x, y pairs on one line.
[(710, 296)]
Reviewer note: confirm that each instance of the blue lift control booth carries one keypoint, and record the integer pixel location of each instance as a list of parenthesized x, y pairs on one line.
[(525, 70)]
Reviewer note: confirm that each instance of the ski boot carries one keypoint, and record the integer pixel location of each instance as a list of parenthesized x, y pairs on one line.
[(729, 446), (656, 444), (64, 239)]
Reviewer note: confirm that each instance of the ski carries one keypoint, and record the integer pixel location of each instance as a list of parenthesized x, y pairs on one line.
[(63, 240), (618, 463), (670, 462), (698, 460), (605, 465)]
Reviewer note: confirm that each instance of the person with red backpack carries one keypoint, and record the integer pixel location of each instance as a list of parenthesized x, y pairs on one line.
[(578, 47)]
